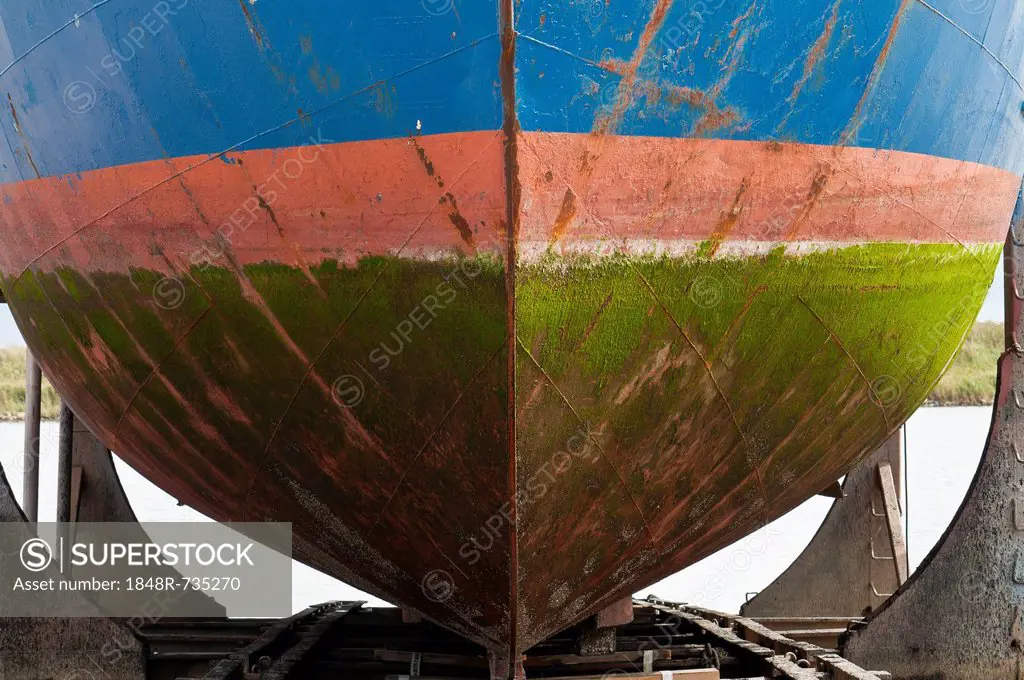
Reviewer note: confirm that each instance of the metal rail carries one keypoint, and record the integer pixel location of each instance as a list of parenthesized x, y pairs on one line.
[(291, 660), (776, 655), (278, 642)]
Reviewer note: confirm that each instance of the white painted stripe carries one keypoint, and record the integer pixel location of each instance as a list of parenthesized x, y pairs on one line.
[(532, 252)]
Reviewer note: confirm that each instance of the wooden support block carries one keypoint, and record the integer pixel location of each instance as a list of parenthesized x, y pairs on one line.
[(411, 616), (833, 490), (596, 642), (76, 491), (892, 519), (617, 614)]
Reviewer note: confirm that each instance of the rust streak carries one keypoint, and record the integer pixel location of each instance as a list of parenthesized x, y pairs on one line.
[(763, 288), (21, 133), (740, 19), (711, 374), (270, 211), (250, 21), (897, 199), (337, 333), (728, 221), (192, 200), (14, 114), (427, 164), (795, 381), (460, 222), (221, 154), (817, 52), (566, 214), (698, 99), (715, 120), (513, 198), (624, 96), (855, 120), (817, 187), (454, 216), (713, 117)]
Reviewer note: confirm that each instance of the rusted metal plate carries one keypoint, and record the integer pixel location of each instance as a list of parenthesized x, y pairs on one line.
[(70, 645)]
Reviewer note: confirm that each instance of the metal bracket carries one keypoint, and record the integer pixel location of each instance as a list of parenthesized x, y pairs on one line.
[(1017, 577), (1014, 239), (875, 592), (648, 661), (876, 556), (1015, 290), (76, 491), (1018, 514)]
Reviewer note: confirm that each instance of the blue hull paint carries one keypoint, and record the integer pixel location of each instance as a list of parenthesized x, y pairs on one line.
[(131, 81)]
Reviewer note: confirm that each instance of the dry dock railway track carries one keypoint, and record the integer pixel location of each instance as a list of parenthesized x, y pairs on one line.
[(347, 640)]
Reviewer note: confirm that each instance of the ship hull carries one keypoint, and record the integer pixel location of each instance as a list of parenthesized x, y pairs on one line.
[(508, 354)]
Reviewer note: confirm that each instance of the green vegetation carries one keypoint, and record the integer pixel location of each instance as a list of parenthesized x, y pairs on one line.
[(971, 380), (583, 323), (12, 388)]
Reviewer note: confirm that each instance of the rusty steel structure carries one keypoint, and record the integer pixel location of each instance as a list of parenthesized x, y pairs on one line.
[(959, 617), (850, 567), (30, 466), (88, 490)]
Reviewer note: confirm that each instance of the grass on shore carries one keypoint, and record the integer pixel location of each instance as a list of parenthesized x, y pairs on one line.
[(12, 388), (970, 381)]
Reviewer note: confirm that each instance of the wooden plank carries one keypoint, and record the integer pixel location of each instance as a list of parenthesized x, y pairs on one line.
[(762, 635), (400, 656), (576, 659), (785, 668), (722, 635), (781, 623), (897, 540), (841, 669), (696, 674)]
